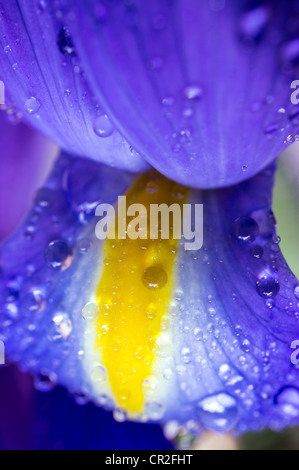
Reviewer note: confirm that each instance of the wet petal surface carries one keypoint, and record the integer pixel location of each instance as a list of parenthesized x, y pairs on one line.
[(201, 91), (146, 327), (45, 84)]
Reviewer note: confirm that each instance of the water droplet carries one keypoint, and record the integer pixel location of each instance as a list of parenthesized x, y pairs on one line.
[(154, 411), (193, 92), (267, 287), (98, 374), (65, 43), (246, 229), (290, 139), (218, 412), (154, 277), (288, 400), (45, 382), (198, 334), (119, 415), (7, 49), (103, 126), (257, 252), (83, 246), (61, 327), (186, 355), (253, 24), (168, 373), (34, 301), (150, 386), (58, 255), (32, 105), (90, 311), (151, 187)]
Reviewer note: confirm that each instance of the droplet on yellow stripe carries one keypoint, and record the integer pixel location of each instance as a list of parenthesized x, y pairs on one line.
[(134, 296), (154, 277)]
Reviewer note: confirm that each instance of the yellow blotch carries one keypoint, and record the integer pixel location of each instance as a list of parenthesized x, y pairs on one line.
[(134, 295)]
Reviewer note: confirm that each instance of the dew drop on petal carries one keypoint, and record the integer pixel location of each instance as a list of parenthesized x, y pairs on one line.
[(99, 374), (296, 292), (34, 301), (193, 92), (154, 411), (58, 255), (60, 327), (218, 412), (90, 311), (65, 43), (45, 381), (32, 105), (253, 23), (246, 229), (288, 401), (103, 126), (150, 386), (154, 277), (267, 287)]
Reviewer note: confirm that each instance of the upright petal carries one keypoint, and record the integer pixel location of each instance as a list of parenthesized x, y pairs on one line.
[(44, 83), (200, 89), (202, 336), (26, 157)]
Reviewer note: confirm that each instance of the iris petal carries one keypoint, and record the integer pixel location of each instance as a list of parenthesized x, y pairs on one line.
[(44, 83), (201, 91), (210, 328), (26, 157)]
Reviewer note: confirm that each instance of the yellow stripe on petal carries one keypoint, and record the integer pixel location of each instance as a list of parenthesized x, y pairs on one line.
[(134, 295)]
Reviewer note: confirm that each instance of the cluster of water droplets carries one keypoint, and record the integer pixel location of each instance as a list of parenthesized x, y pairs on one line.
[(39, 318)]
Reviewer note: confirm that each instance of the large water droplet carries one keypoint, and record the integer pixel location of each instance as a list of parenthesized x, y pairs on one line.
[(103, 126), (288, 400), (267, 287), (154, 277), (296, 292), (32, 105), (246, 229), (218, 412), (150, 386), (90, 311), (58, 255)]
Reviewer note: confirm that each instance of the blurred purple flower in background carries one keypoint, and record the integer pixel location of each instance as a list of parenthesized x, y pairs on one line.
[(199, 91)]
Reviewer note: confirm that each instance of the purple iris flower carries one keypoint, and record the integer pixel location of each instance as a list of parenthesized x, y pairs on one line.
[(201, 92)]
